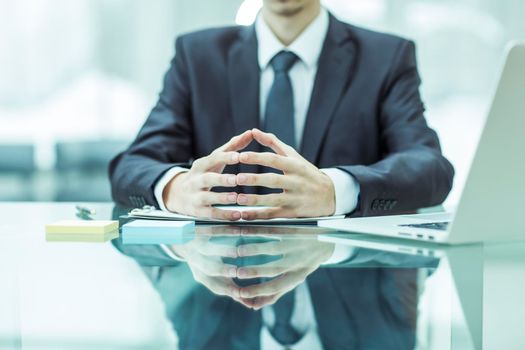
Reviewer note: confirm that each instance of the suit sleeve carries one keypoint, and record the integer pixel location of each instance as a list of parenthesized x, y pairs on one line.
[(413, 172), (165, 140)]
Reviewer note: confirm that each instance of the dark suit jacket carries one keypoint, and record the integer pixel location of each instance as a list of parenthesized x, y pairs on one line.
[(365, 117)]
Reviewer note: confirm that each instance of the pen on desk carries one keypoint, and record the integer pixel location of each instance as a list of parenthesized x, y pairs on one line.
[(84, 212)]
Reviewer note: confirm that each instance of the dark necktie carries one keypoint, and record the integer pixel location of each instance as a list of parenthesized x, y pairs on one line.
[(279, 115), (283, 331)]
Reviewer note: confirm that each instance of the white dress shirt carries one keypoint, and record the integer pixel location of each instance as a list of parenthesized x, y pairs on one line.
[(307, 47)]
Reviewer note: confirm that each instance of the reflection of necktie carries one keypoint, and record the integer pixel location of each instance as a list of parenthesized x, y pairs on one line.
[(283, 331), (279, 116)]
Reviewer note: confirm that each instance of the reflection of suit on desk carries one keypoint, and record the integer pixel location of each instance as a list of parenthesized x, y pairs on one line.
[(365, 117), (354, 308)]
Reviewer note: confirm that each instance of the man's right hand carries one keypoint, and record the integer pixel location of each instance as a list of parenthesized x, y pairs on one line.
[(189, 192)]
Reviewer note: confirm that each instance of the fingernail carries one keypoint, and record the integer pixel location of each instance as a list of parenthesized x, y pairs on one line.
[(244, 294), (232, 253), (232, 198), (236, 215), (242, 199), (242, 178), (232, 272), (235, 157), (241, 251), (232, 180)]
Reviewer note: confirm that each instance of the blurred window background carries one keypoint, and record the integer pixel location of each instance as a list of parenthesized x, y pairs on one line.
[(78, 78)]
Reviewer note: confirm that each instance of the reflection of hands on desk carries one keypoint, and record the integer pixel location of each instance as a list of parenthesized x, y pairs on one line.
[(299, 257), (295, 254)]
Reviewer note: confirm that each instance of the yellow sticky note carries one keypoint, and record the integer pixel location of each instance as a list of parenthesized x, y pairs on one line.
[(81, 237), (82, 227)]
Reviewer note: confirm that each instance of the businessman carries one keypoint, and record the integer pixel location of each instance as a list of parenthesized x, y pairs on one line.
[(333, 109)]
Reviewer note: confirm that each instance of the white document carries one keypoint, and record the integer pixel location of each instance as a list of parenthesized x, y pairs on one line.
[(153, 213)]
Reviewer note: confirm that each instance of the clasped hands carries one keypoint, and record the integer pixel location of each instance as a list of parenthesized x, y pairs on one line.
[(306, 191)]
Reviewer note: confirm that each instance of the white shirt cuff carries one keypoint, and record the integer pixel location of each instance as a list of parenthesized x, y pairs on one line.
[(163, 182), (346, 190), (340, 254)]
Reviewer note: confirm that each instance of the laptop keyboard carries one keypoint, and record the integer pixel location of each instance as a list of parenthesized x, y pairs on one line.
[(441, 226)]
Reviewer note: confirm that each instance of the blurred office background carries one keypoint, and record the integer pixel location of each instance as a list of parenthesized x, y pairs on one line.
[(77, 78)]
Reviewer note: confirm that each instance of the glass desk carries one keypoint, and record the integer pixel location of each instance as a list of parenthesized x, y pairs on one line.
[(251, 287)]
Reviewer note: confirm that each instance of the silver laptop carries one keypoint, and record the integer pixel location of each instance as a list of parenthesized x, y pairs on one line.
[(492, 205)]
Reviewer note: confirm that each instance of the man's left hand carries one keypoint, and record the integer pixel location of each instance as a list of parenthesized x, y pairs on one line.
[(307, 191)]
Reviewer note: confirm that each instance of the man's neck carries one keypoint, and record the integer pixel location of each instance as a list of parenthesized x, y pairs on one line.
[(288, 28)]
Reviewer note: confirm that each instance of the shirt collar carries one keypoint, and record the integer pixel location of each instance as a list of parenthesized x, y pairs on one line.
[(307, 46)]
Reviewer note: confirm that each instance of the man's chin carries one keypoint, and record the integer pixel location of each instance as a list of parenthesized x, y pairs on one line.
[(288, 11), (285, 9)]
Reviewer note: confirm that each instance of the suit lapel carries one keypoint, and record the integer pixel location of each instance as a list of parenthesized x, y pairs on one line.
[(334, 72), (243, 81)]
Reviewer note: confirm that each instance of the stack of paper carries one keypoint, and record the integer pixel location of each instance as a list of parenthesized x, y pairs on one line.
[(155, 214)]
